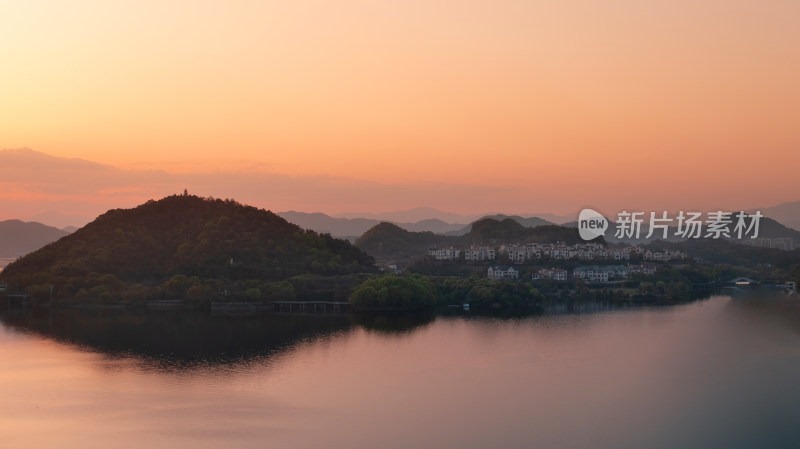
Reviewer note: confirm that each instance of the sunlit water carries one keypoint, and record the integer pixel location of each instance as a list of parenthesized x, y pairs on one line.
[(719, 373)]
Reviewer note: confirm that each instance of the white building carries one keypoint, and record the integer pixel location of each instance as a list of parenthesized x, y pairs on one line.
[(520, 254), (503, 272), (619, 254), (444, 253), (600, 273), (664, 256), (647, 270), (557, 274), (479, 253), (784, 243)]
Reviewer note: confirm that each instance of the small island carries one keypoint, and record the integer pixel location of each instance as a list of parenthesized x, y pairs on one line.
[(192, 249)]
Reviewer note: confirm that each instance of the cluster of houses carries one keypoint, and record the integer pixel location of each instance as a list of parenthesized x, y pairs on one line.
[(663, 256), (479, 253), (784, 243), (519, 254), (556, 274), (561, 251), (589, 273), (444, 253), (503, 272), (607, 273)]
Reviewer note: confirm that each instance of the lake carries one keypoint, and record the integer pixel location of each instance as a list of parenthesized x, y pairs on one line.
[(716, 373)]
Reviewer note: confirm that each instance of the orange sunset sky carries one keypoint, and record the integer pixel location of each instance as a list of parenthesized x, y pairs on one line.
[(466, 106)]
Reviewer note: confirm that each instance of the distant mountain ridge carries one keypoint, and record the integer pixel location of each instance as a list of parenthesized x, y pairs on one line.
[(531, 222), (353, 228), (424, 213), (788, 214), (413, 215), (18, 238), (67, 222)]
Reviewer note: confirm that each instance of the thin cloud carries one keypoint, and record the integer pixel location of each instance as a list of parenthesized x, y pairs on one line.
[(36, 182)]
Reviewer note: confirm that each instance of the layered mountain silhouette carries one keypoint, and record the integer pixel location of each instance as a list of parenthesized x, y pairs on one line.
[(18, 238), (787, 214), (387, 241), (352, 228)]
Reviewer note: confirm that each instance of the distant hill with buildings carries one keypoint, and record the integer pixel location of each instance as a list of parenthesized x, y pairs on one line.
[(772, 229), (388, 241)]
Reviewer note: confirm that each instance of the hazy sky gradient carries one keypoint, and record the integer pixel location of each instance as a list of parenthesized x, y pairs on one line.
[(559, 104)]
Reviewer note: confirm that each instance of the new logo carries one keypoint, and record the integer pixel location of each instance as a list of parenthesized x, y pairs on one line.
[(591, 224)]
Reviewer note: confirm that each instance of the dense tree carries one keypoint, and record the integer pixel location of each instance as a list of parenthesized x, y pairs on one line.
[(488, 293), (182, 247), (390, 291)]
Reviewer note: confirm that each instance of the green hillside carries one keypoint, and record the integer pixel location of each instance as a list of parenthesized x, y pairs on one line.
[(179, 246), (389, 241)]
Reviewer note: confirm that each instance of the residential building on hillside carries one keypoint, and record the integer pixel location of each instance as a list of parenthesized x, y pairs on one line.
[(664, 255), (601, 273), (558, 274), (647, 270), (479, 253), (444, 253), (502, 272)]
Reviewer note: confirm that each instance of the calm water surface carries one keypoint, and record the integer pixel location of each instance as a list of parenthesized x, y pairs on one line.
[(718, 373)]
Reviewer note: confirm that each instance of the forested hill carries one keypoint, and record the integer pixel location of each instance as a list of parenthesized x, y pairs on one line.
[(388, 241), (185, 235), (489, 231)]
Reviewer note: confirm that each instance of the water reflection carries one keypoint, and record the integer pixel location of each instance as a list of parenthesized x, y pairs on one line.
[(394, 323), (715, 373), (180, 339), (176, 339)]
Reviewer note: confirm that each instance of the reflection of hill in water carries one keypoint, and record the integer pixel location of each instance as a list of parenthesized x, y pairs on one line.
[(177, 338), (394, 323), (183, 339)]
